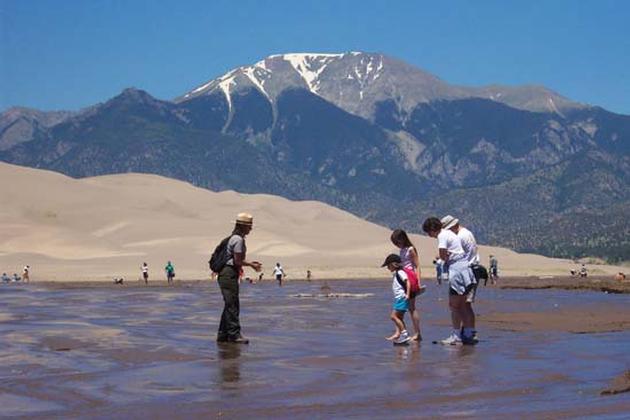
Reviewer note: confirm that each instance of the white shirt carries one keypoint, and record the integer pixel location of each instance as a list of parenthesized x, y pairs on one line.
[(469, 244), (448, 240), (399, 291), (278, 270)]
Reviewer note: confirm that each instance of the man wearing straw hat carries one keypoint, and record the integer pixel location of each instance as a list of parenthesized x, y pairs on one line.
[(230, 327)]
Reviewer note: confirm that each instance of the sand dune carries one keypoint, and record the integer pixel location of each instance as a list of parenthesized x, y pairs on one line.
[(98, 228)]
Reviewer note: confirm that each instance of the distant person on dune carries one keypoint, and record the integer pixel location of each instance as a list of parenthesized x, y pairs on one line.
[(308, 275), (26, 274), (170, 272), (5, 278), (439, 270), (278, 272), (494, 270), (583, 271), (145, 273)]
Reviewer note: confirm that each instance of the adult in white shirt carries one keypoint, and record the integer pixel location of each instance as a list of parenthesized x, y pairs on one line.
[(471, 255), (278, 272), (460, 279)]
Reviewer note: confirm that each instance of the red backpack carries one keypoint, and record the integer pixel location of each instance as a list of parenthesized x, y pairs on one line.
[(413, 280)]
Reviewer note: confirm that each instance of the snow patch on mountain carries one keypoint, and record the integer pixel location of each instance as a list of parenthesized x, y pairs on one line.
[(258, 76), (311, 66)]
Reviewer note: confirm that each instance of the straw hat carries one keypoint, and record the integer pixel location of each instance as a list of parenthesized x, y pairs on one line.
[(245, 219), (448, 222)]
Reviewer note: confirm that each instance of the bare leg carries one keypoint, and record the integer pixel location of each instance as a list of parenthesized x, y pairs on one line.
[(415, 319), (466, 318), (397, 330), (471, 314), (397, 324), (456, 312), (398, 318)]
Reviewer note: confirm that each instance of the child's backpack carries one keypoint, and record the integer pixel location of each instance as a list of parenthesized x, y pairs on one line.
[(413, 280), (220, 256)]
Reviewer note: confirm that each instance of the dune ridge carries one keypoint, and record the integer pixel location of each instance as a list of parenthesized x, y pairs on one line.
[(97, 228)]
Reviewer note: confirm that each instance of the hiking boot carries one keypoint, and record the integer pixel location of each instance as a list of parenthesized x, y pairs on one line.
[(452, 340), (239, 340)]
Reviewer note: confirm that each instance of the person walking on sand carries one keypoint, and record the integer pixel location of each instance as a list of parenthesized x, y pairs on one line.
[(460, 280), (494, 270), (170, 272), (145, 273), (402, 293), (469, 244), (26, 274), (278, 272), (410, 263), (583, 271), (235, 251)]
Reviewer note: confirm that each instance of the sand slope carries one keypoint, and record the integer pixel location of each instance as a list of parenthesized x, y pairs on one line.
[(98, 228)]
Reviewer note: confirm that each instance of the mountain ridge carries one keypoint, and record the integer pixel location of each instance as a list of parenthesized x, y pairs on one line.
[(357, 81), (504, 170)]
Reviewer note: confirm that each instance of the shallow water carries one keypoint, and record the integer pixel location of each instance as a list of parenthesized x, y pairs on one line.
[(150, 352)]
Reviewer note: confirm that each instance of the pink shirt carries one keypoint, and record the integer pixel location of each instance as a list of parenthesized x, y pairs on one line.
[(406, 259)]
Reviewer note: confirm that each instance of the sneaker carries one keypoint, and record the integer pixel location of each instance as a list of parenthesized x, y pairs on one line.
[(403, 339), (469, 341), (451, 340)]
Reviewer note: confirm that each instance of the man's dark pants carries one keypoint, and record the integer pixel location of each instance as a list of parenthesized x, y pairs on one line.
[(230, 327)]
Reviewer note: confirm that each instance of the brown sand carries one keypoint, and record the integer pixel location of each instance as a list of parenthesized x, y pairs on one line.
[(598, 283), (620, 384), (582, 320), (104, 227)]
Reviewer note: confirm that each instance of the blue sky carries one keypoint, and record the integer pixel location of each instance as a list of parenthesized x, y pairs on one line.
[(66, 54)]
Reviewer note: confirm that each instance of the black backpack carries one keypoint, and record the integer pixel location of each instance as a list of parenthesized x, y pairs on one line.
[(220, 256)]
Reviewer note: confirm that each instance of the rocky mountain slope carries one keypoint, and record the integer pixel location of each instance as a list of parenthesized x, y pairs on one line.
[(524, 167)]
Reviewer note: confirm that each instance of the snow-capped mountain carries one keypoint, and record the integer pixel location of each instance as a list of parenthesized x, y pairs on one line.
[(369, 134), (357, 82)]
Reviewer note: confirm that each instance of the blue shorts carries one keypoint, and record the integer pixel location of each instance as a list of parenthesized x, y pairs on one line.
[(401, 305)]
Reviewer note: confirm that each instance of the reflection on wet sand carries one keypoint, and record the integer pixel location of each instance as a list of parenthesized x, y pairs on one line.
[(229, 363), (123, 352)]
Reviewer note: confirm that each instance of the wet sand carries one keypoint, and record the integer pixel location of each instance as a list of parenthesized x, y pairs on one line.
[(598, 283), (139, 352)]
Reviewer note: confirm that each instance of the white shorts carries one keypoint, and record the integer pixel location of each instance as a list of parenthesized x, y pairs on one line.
[(460, 277)]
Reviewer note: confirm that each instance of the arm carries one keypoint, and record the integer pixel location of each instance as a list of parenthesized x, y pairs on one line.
[(444, 255), (416, 262), (408, 289), (239, 260)]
